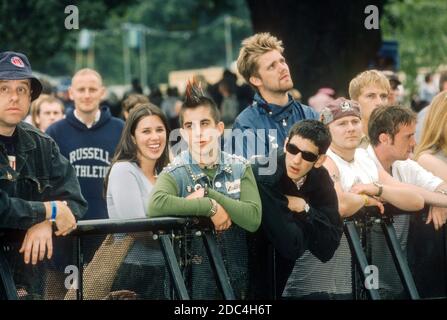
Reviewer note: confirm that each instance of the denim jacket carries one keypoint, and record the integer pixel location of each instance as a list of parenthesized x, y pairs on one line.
[(42, 174), (232, 242)]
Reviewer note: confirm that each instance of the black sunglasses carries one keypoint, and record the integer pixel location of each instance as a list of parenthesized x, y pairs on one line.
[(308, 156)]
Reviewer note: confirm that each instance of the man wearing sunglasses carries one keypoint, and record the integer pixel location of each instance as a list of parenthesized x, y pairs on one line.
[(358, 183), (300, 209)]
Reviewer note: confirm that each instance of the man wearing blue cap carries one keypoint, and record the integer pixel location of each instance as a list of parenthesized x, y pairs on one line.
[(38, 185)]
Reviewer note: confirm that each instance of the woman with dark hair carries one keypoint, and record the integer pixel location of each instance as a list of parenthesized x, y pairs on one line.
[(140, 155), (142, 145)]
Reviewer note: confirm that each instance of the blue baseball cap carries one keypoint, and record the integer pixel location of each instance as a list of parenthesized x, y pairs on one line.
[(15, 66)]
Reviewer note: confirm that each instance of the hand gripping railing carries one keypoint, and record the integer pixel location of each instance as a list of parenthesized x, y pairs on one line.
[(163, 229)]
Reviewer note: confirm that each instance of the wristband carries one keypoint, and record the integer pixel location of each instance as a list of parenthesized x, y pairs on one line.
[(380, 186), (53, 211), (213, 209)]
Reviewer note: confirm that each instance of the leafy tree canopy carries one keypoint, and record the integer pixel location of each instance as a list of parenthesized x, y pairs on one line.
[(420, 28)]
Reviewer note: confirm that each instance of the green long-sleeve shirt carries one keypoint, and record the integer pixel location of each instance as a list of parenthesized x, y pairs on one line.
[(245, 212)]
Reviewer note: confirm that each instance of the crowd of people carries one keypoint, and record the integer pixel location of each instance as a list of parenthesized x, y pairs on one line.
[(281, 183)]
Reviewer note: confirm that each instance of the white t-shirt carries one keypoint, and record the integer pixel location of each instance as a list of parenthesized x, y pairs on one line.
[(409, 171), (361, 170)]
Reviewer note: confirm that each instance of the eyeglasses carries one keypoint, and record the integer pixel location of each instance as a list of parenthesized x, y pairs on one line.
[(6, 91), (308, 156)]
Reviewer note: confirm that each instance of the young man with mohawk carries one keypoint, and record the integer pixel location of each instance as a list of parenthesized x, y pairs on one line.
[(204, 181)]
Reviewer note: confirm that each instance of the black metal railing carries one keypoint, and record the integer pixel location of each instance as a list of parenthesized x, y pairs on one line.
[(166, 231), (173, 236)]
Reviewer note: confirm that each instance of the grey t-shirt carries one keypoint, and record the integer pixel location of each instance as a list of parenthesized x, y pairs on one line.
[(128, 195)]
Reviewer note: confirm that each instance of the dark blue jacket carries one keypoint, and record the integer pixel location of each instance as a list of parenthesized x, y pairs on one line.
[(246, 141), (90, 151)]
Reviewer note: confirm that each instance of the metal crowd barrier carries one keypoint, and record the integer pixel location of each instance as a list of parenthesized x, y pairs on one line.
[(171, 234), (165, 230), (358, 245)]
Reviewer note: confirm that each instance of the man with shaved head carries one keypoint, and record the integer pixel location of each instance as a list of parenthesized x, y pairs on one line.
[(88, 137)]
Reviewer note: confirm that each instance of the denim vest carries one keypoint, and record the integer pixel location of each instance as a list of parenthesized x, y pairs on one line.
[(231, 242), (188, 174)]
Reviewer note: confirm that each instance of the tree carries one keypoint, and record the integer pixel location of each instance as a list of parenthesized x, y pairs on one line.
[(184, 34), (419, 28), (36, 27), (326, 42), (52, 48)]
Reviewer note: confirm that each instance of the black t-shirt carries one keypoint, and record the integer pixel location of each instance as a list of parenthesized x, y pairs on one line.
[(9, 148)]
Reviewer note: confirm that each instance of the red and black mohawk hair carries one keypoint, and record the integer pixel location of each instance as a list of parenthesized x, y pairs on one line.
[(195, 97), (193, 93)]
